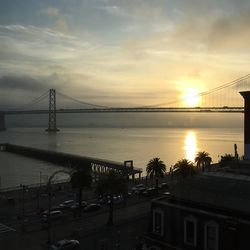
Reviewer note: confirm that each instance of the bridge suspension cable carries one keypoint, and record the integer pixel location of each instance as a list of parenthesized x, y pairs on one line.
[(223, 86), (226, 85), (34, 101), (81, 102)]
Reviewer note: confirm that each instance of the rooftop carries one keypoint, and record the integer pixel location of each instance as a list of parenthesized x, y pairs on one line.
[(224, 190)]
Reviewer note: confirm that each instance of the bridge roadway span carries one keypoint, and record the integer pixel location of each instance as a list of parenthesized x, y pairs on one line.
[(224, 109), (98, 166)]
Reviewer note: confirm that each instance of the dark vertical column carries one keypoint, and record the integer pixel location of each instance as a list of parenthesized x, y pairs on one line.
[(246, 96), (2, 121), (52, 112)]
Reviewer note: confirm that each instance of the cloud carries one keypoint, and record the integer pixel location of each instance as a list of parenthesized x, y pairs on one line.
[(109, 51), (15, 83), (231, 32), (32, 48), (52, 12), (60, 22)]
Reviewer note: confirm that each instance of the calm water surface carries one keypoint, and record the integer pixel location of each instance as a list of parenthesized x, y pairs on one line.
[(118, 144)]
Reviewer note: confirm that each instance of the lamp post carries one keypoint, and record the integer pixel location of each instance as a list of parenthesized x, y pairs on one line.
[(24, 188), (49, 201), (38, 193), (49, 211)]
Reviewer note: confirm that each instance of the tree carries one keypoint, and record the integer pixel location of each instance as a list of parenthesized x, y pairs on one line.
[(156, 168), (184, 168), (109, 185), (81, 179), (203, 160), (225, 159)]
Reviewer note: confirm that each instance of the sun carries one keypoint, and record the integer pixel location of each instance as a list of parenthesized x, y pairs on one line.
[(191, 98)]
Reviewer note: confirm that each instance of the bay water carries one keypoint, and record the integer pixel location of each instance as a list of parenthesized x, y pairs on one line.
[(118, 137)]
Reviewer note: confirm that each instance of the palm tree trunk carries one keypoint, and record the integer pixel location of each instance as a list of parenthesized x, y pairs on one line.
[(80, 202), (111, 211), (157, 186)]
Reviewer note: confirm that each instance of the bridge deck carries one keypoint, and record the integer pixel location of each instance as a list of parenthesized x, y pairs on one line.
[(224, 109)]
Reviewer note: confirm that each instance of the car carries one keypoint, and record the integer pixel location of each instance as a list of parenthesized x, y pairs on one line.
[(54, 215), (164, 185), (65, 244), (149, 192), (76, 205), (139, 188), (102, 200), (117, 199), (67, 204), (92, 207), (51, 209)]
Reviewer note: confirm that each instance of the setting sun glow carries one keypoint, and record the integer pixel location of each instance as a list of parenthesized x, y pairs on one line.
[(190, 145), (191, 98)]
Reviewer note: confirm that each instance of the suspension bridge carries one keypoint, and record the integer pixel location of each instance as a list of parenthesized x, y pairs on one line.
[(224, 98)]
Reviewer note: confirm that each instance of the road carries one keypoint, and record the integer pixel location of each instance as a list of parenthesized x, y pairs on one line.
[(131, 221), (92, 223)]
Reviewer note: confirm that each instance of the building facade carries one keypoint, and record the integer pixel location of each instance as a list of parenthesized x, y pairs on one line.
[(197, 220)]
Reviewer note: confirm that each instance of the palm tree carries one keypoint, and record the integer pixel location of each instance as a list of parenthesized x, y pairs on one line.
[(184, 168), (81, 179), (203, 160), (156, 168), (110, 185), (225, 159)]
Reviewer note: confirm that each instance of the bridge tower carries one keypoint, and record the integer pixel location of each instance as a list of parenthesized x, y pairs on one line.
[(246, 96), (52, 112), (2, 121)]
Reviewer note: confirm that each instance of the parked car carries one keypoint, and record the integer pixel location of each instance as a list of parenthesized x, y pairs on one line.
[(67, 204), (76, 205), (138, 189), (149, 192), (54, 215), (51, 209), (164, 185), (117, 199), (92, 207), (103, 199), (65, 244)]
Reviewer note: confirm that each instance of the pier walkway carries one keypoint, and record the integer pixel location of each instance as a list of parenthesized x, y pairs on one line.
[(98, 166)]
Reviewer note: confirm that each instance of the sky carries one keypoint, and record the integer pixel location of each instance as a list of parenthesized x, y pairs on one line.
[(120, 52)]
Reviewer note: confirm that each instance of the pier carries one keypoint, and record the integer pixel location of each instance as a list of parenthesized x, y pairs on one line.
[(97, 166)]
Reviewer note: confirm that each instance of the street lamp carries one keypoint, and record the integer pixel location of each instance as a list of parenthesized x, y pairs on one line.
[(49, 200), (24, 188)]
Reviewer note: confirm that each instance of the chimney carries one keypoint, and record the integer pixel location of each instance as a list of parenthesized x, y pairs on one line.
[(246, 96)]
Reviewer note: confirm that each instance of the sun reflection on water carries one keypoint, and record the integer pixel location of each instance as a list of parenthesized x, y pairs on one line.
[(190, 145)]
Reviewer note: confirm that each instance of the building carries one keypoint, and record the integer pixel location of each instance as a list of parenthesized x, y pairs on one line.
[(210, 211)]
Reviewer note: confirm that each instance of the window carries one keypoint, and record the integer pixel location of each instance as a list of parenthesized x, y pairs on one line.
[(158, 220), (211, 236), (190, 229)]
